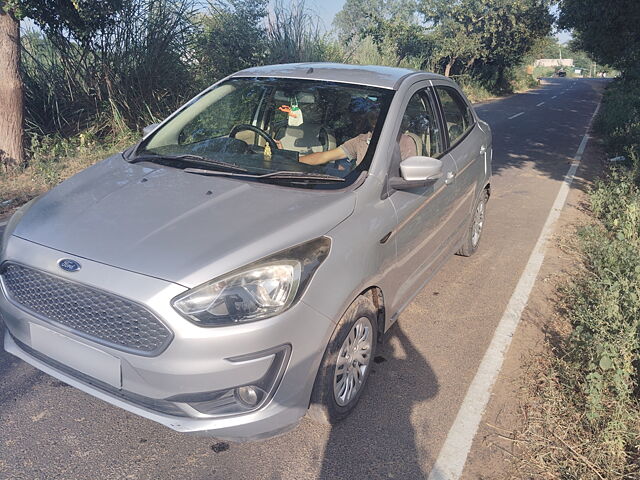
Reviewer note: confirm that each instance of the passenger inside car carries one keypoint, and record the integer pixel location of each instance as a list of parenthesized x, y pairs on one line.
[(363, 115)]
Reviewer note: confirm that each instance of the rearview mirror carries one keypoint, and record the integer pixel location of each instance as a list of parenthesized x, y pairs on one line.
[(149, 128), (417, 172)]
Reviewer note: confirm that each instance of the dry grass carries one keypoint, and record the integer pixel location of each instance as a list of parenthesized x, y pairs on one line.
[(558, 440), (53, 160)]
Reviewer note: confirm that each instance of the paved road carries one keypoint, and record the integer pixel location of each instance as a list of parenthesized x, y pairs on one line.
[(50, 430)]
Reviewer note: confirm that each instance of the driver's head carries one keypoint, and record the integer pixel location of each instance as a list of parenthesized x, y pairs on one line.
[(363, 113)]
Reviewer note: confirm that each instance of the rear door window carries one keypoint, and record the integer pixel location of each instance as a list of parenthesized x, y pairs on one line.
[(457, 113)]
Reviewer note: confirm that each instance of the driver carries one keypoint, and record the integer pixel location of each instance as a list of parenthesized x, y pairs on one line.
[(363, 114)]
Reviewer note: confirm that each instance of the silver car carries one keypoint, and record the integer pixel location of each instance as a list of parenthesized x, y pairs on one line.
[(237, 268)]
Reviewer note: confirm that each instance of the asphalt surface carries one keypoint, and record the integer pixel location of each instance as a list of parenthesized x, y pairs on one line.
[(49, 430)]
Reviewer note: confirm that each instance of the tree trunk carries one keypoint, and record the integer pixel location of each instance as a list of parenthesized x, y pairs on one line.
[(447, 69), (11, 99)]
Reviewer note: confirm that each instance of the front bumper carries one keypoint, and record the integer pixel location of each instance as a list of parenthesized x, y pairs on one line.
[(197, 360)]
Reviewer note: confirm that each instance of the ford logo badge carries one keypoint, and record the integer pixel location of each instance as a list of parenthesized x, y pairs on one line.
[(69, 265)]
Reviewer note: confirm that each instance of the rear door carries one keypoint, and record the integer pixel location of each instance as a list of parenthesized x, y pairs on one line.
[(465, 148)]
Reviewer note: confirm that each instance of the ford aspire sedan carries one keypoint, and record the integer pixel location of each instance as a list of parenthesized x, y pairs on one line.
[(239, 265)]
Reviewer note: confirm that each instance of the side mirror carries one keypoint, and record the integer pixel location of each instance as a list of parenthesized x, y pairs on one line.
[(417, 172), (149, 128)]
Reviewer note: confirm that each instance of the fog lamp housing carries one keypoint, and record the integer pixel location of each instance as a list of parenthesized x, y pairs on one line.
[(241, 399)]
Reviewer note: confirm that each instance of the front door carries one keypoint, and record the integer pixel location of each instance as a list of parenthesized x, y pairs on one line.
[(424, 214)]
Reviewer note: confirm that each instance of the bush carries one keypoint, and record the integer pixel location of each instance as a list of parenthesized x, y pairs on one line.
[(604, 310), (134, 70), (619, 121)]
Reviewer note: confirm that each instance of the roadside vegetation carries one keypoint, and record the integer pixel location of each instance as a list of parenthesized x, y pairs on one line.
[(583, 421)]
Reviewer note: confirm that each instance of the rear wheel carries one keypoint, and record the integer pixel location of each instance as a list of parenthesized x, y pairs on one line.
[(472, 237), (346, 364)]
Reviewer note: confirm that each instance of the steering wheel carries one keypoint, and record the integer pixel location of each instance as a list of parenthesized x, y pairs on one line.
[(245, 126)]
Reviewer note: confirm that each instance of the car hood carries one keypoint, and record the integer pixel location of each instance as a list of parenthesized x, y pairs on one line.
[(180, 227)]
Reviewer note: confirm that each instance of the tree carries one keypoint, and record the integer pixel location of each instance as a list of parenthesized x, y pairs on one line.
[(454, 30), (482, 37), (511, 29), (608, 31), (80, 18), (11, 98), (390, 24), (404, 39), (233, 37), (485, 36), (358, 16)]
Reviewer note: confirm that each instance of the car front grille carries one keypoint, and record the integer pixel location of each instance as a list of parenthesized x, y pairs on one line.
[(99, 316)]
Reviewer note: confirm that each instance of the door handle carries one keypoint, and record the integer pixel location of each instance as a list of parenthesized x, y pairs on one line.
[(450, 176)]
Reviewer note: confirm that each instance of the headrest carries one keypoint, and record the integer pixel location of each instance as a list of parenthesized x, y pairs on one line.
[(302, 97)]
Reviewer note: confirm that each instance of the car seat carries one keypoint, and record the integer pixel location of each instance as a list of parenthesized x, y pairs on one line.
[(309, 137)]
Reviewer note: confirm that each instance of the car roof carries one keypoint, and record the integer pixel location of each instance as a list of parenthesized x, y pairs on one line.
[(370, 75)]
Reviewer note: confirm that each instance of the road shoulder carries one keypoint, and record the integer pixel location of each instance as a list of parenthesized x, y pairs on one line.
[(494, 452)]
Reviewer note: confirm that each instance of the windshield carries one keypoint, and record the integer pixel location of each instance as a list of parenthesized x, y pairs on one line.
[(267, 125)]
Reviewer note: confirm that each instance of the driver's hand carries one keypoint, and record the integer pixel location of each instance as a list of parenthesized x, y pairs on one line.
[(278, 144)]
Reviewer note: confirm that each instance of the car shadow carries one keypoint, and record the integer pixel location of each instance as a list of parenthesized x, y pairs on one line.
[(378, 439)]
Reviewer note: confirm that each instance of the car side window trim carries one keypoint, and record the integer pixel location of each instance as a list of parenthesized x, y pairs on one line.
[(428, 96), (450, 146), (425, 87), (442, 124)]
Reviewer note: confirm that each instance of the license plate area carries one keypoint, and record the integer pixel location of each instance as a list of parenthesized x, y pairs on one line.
[(78, 356)]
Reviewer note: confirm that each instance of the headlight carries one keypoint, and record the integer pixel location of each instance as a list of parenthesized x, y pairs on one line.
[(260, 290)]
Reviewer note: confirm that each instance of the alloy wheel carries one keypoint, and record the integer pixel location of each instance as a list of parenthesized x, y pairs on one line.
[(478, 223), (353, 361)]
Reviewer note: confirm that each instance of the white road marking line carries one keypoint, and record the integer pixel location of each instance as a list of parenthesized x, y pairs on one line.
[(453, 454), (2, 224), (554, 97), (540, 104), (516, 115)]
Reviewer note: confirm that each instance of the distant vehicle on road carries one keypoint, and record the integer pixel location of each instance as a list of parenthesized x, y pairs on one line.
[(239, 265)]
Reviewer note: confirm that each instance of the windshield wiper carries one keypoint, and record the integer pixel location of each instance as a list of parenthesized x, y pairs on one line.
[(190, 159), (281, 174)]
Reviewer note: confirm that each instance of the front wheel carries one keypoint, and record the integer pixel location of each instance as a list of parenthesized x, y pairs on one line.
[(472, 237), (346, 364)]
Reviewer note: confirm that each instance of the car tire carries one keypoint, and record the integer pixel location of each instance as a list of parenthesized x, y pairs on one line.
[(346, 364), (474, 232)]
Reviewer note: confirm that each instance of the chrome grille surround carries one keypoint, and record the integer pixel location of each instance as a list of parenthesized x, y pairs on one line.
[(91, 313)]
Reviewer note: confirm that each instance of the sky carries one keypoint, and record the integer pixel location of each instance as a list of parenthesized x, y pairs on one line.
[(326, 9)]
